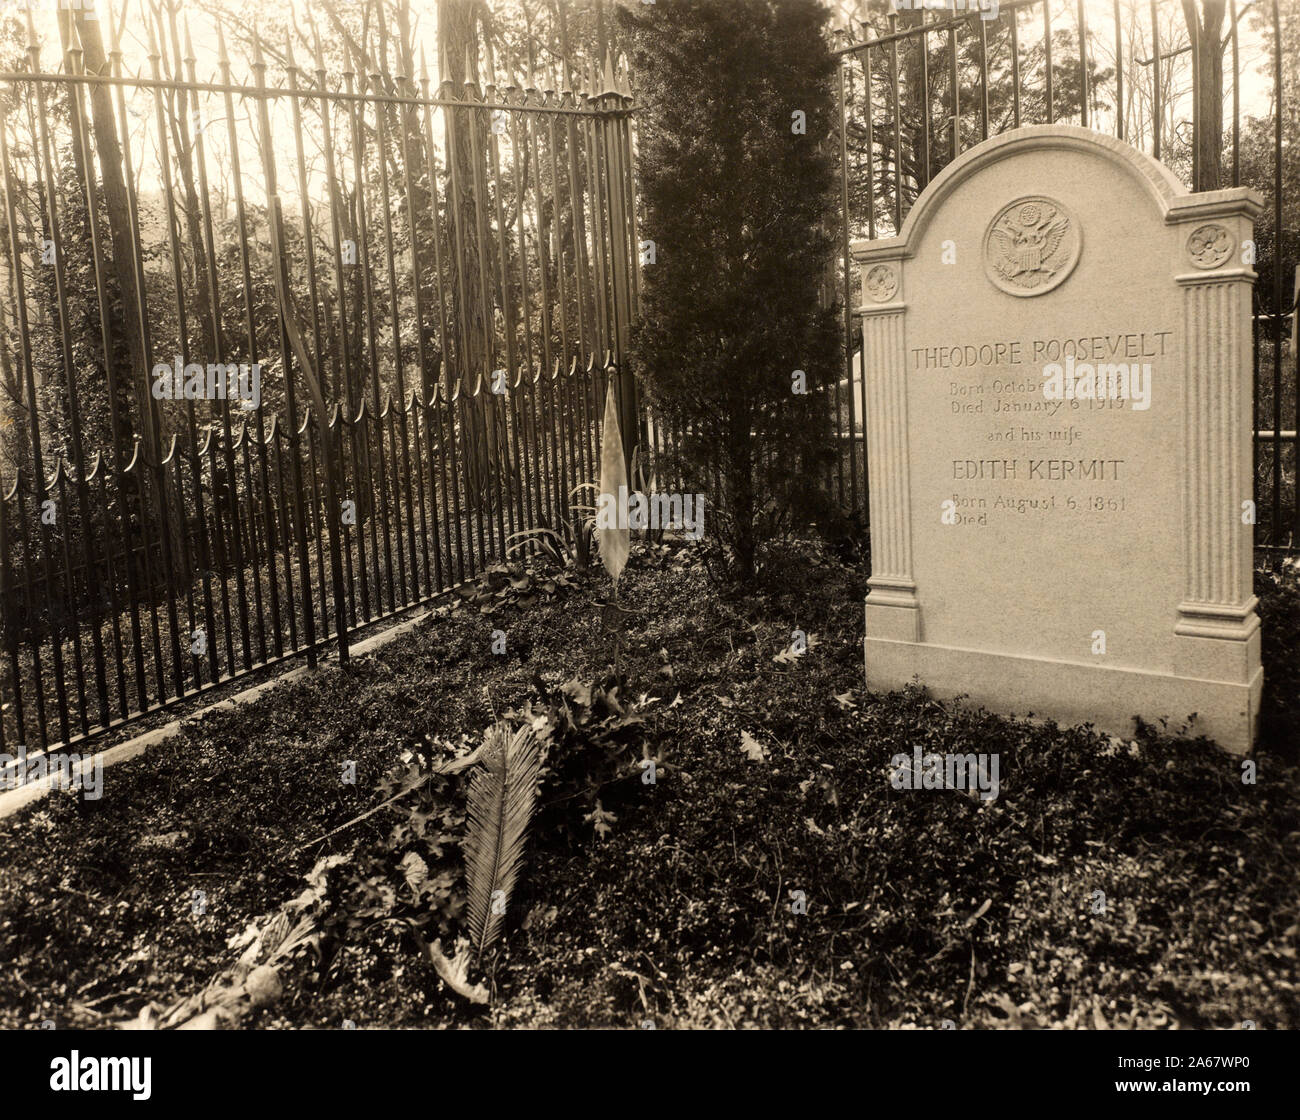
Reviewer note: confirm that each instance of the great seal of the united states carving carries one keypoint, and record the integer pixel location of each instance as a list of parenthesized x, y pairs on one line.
[(1031, 246)]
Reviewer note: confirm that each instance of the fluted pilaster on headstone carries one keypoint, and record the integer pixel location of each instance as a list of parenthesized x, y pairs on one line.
[(891, 603), (1217, 627)]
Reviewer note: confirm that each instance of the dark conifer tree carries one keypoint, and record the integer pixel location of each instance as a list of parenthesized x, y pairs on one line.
[(736, 167)]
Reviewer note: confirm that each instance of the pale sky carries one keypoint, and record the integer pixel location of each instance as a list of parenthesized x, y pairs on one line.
[(239, 15)]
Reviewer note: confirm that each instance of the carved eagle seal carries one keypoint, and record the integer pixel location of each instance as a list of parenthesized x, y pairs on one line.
[(1031, 246)]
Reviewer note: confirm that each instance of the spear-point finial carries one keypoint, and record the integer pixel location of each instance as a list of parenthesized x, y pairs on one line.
[(424, 67), (610, 85), (153, 41), (259, 63), (471, 65), (189, 43), (222, 56), (288, 52), (74, 40), (32, 44), (114, 48), (316, 51)]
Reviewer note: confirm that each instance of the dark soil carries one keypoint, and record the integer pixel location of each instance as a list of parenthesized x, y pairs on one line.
[(1135, 883)]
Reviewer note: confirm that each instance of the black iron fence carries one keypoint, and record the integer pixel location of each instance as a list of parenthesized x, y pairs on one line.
[(340, 336), (917, 88), (434, 287)]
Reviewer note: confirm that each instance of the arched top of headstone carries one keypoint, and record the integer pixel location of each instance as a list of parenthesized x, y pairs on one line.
[(1162, 186)]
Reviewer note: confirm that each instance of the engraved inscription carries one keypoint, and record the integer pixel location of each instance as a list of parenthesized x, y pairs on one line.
[(1018, 448)]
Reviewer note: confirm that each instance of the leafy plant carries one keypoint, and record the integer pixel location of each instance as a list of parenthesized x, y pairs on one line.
[(649, 486), (502, 795), (411, 877), (570, 544), (594, 735), (510, 583), (1279, 613)]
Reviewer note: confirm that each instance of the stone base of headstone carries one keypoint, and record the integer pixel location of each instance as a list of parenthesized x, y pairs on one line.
[(1109, 699)]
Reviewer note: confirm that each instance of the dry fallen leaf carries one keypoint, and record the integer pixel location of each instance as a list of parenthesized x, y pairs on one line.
[(754, 750)]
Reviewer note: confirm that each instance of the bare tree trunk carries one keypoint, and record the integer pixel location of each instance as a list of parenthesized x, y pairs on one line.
[(414, 161), (127, 327), (1206, 34), (112, 189), (185, 124), (14, 418), (458, 64)]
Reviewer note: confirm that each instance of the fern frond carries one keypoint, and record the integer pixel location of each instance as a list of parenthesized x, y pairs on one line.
[(502, 796)]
